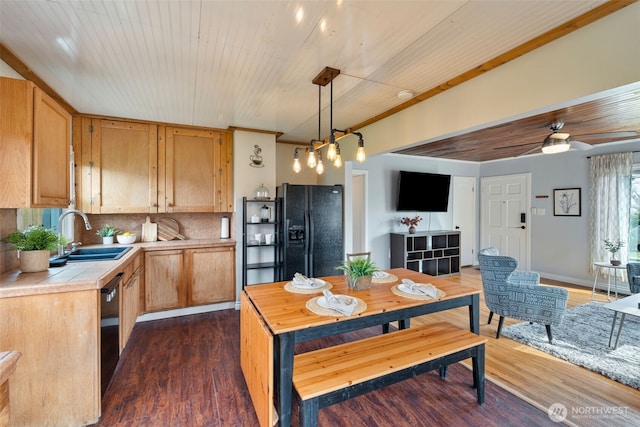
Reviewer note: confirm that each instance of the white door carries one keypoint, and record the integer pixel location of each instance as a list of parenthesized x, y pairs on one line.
[(464, 216), (504, 203), (359, 214)]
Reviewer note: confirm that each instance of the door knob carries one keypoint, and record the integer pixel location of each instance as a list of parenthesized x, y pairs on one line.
[(523, 227), (457, 227)]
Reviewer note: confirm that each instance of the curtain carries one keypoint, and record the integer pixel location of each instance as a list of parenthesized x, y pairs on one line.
[(610, 195)]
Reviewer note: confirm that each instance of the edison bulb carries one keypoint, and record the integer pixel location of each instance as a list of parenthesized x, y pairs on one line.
[(320, 168), (338, 161), (311, 160), (331, 152), (360, 156), (296, 165)]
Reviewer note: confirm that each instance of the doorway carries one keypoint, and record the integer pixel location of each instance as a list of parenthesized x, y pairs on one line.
[(464, 216), (504, 203)]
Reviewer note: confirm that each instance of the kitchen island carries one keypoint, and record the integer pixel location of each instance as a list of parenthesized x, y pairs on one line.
[(53, 319)]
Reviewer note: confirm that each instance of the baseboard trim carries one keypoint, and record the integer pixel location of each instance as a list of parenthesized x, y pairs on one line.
[(186, 311)]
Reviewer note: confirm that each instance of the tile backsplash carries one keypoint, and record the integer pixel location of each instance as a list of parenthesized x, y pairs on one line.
[(192, 225)]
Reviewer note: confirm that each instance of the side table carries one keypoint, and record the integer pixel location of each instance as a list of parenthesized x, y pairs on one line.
[(615, 268), (629, 305)]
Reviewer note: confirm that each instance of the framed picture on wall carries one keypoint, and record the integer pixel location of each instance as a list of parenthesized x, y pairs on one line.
[(566, 202)]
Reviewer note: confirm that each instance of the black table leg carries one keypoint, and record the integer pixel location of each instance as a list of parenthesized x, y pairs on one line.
[(283, 388), (474, 314)]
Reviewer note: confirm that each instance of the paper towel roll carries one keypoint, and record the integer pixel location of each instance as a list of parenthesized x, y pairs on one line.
[(224, 227)]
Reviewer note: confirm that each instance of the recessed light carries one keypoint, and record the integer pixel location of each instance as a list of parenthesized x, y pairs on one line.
[(405, 94)]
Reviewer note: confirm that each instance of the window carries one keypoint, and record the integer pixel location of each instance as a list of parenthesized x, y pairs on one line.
[(634, 216)]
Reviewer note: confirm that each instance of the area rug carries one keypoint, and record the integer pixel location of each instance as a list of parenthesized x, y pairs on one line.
[(583, 339)]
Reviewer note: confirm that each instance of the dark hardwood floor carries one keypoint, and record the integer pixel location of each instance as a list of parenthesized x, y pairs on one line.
[(186, 372)]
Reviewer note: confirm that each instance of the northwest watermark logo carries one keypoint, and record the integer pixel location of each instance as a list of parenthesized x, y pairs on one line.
[(559, 412)]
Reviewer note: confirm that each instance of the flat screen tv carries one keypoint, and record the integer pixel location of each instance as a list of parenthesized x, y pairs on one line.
[(423, 192)]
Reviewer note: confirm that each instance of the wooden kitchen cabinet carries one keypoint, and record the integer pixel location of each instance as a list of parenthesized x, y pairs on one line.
[(130, 298), (137, 167), (35, 139), (198, 171), (57, 380), (123, 167), (164, 280), (210, 275), (189, 277)]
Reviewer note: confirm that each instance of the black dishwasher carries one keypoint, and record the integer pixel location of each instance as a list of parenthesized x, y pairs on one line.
[(109, 330)]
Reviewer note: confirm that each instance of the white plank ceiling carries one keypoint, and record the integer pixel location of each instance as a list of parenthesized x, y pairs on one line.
[(250, 64)]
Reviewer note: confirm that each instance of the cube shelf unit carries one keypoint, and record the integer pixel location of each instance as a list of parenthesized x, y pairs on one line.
[(436, 253)]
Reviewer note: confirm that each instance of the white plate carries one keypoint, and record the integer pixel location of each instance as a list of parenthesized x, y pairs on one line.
[(407, 289), (322, 301), (317, 283), (380, 274)]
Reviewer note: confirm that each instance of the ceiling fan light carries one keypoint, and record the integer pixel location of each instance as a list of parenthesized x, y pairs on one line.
[(553, 145)]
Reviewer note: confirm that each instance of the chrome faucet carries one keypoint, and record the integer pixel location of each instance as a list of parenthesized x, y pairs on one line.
[(87, 225)]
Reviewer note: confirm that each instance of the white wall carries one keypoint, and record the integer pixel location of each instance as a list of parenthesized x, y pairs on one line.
[(559, 245), (382, 217), (247, 179)]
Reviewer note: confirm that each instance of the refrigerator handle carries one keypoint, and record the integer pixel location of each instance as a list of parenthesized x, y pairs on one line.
[(308, 233)]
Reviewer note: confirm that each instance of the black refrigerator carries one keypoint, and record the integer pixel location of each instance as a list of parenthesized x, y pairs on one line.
[(312, 228)]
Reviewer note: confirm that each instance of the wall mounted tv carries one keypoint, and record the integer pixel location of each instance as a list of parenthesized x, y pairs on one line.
[(423, 192)]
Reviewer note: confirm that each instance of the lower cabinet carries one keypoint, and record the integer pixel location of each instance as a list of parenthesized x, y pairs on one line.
[(130, 298), (189, 277), (57, 380)]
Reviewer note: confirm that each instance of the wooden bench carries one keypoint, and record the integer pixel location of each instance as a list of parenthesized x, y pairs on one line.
[(334, 374)]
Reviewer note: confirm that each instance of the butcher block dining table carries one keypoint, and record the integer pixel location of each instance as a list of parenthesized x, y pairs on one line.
[(274, 320)]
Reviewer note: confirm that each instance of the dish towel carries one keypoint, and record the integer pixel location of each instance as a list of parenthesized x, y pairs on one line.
[(302, 280), (340, 303), (426, 289)]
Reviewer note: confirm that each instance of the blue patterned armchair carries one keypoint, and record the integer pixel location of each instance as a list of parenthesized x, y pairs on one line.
[(518, 294), (633, 274)]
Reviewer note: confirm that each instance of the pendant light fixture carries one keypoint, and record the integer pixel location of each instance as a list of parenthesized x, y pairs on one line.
[(314, 155)]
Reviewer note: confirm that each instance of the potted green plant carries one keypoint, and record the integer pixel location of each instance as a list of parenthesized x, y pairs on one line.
[(359, 272), (34, 245), (613, 246), (107, 232)]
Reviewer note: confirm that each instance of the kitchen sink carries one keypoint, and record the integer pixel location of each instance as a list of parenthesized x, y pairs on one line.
[(98, 254)]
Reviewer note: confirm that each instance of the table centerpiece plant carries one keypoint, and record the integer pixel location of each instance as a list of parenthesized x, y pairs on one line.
[(34, 245), (411, 223), (359, 272), (613, 246)]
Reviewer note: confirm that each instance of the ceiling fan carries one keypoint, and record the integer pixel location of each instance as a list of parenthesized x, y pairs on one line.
[(559, 142)]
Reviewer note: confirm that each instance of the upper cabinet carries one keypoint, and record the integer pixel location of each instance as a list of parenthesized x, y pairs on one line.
[(122, 159), (197, 171), (148, 168), (35, 139)]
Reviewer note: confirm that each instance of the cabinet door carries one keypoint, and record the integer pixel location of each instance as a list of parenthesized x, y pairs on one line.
[(129, 299), (195, 179), (51, 148), (124, 167), (211, 275), (35, 145), (164, 283)]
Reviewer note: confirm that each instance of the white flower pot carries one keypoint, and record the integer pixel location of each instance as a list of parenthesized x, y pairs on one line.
[(107, 240)]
